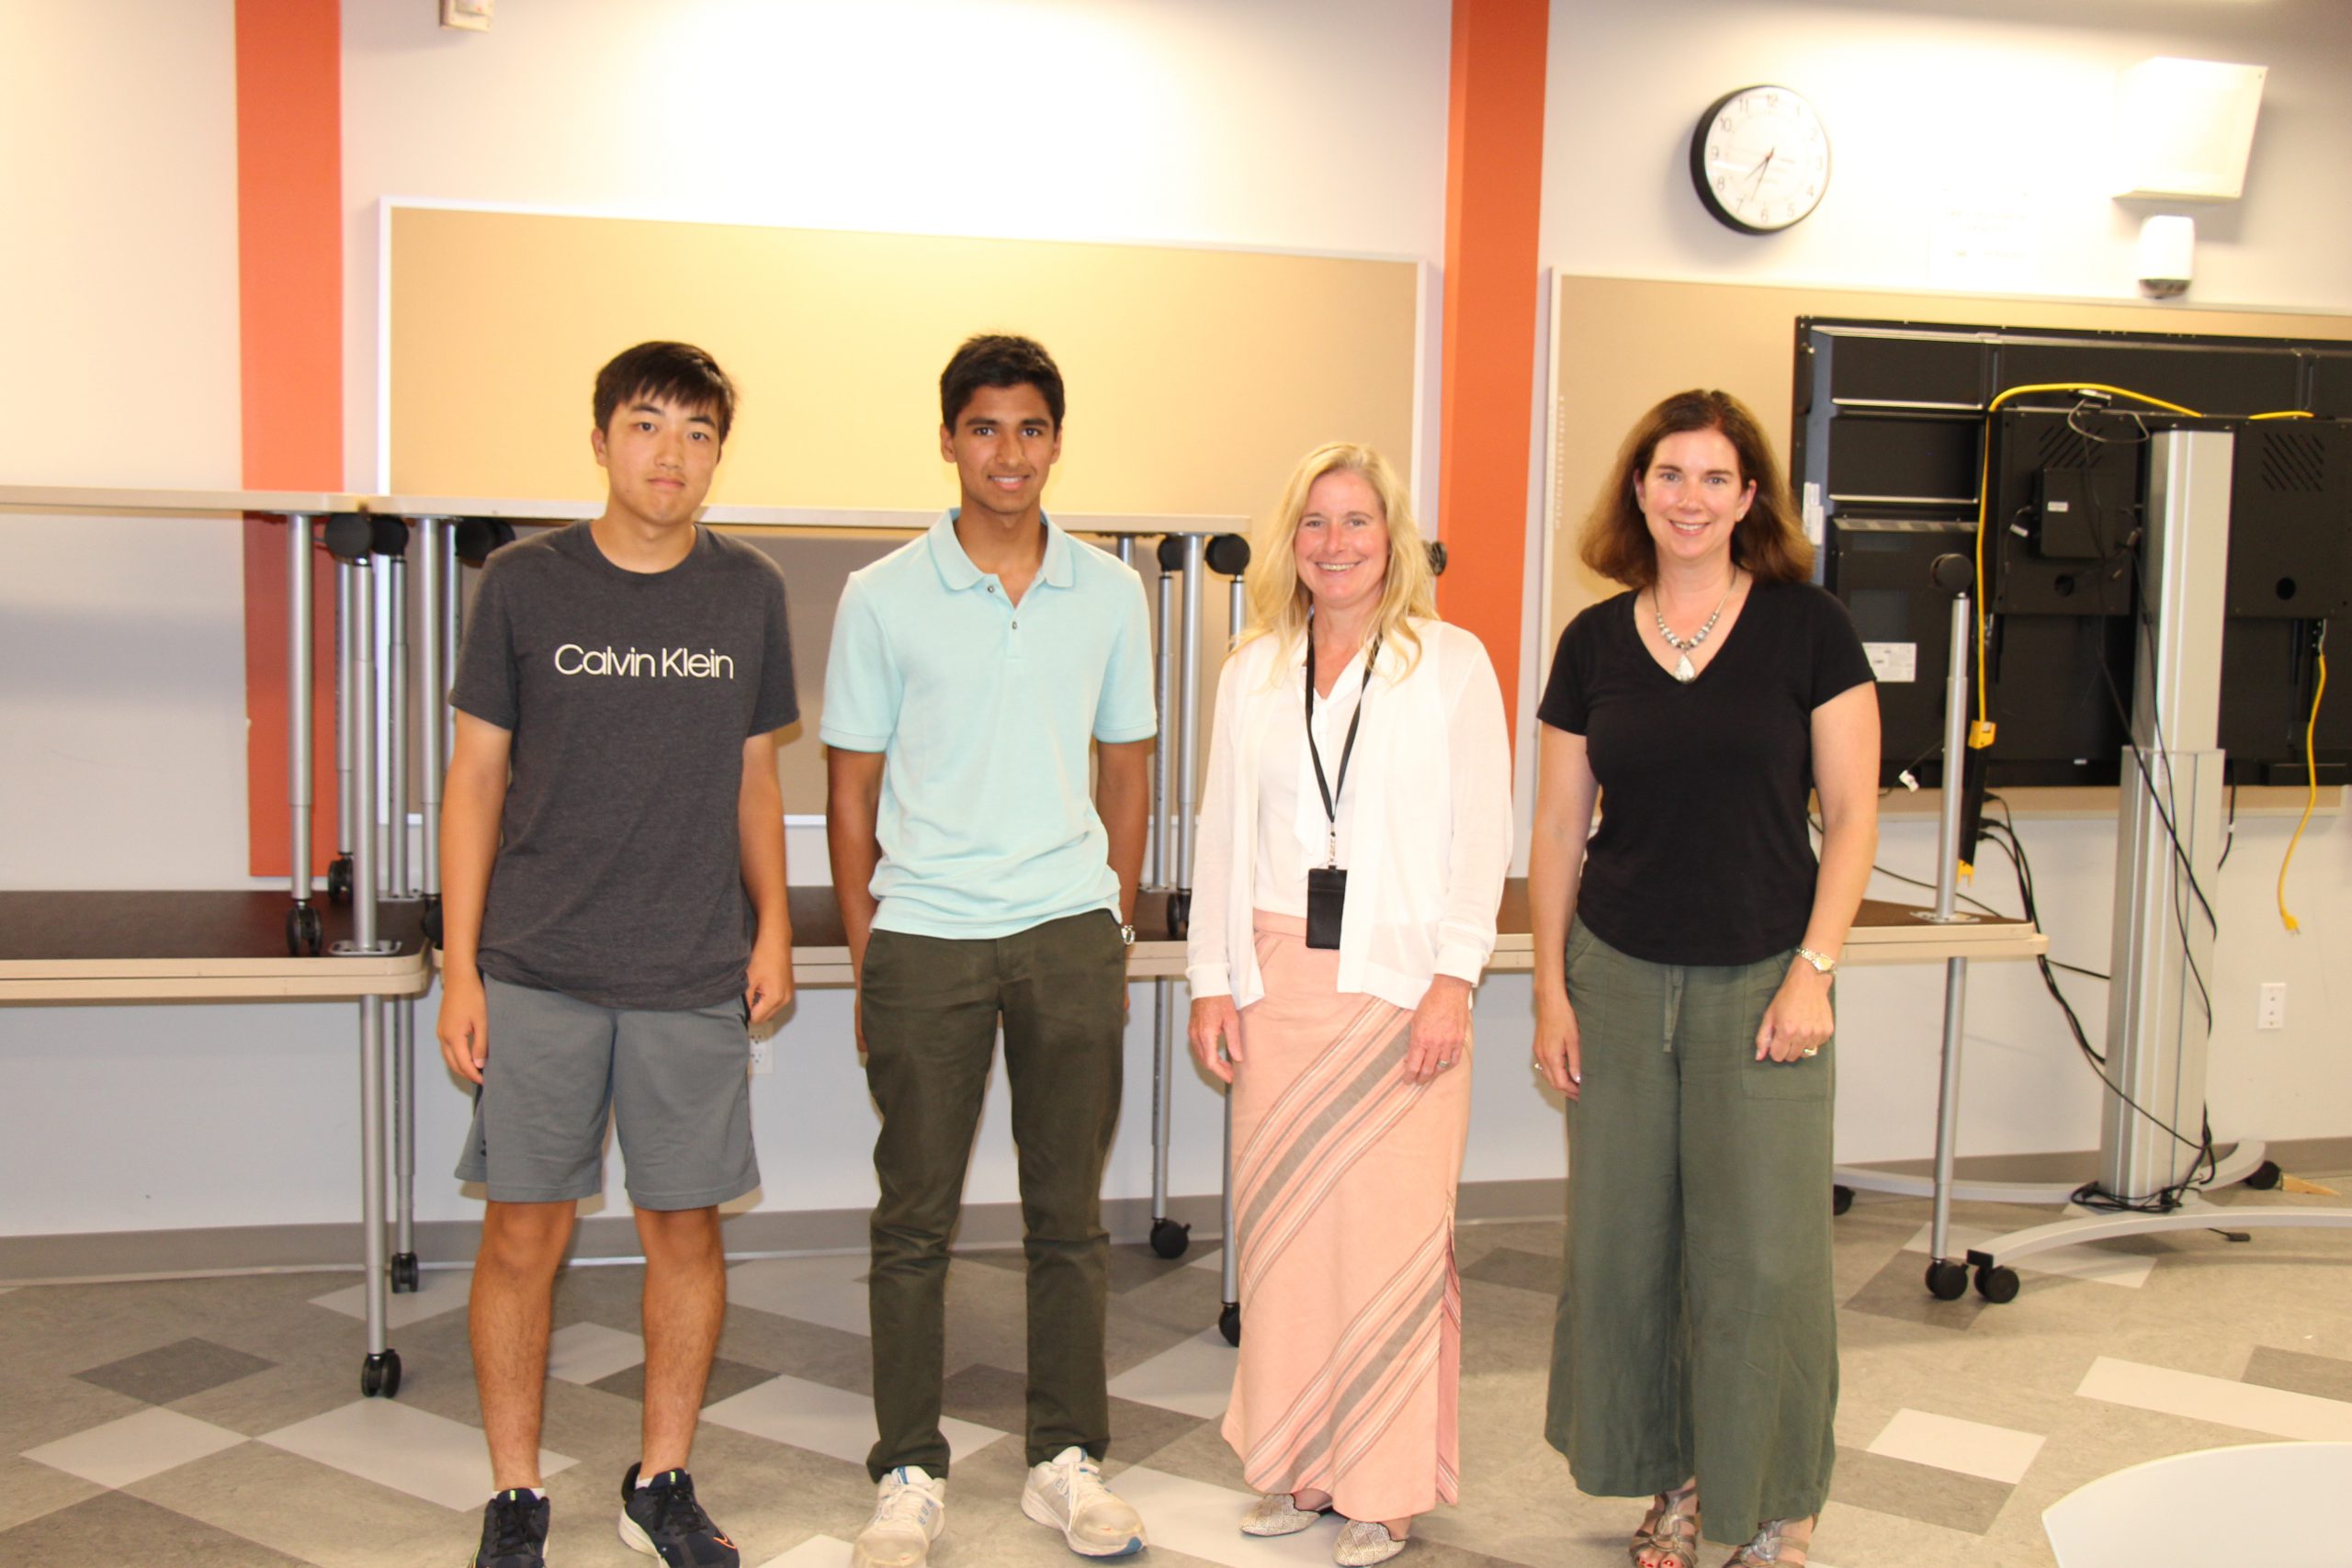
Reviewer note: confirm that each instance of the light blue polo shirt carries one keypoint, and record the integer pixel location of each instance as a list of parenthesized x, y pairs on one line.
[(982, 711)]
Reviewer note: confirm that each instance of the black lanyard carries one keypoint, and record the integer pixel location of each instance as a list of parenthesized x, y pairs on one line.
[(1347, 749)]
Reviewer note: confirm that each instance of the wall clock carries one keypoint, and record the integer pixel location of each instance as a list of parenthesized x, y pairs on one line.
[(1759, 157)]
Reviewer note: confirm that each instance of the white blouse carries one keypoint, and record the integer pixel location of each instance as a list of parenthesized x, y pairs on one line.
[(1426, 827), (1294, 836)]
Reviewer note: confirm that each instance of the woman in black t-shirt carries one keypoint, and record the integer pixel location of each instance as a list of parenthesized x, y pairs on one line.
[(1683, 989)]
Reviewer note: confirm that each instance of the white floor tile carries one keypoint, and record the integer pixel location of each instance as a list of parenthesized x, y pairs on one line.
[(1207, 1257), (817, 1552), (1195, 1377), (824, 1420), (2088, 1260), (438, 1290), (408, 1449), (828, 1291), (586, 1351), (1201, 1520), (1946, 1442), (2223, 1401), (135, 1448)]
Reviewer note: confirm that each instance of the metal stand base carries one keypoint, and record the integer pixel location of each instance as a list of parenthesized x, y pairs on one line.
[(2039, 1193)]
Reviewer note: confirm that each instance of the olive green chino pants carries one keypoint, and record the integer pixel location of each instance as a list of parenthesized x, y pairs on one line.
[(932, 1006), (1697, 1332)]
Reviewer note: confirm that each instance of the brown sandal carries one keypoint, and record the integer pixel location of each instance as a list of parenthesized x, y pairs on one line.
[(1772, 1549), (1669, 1530)]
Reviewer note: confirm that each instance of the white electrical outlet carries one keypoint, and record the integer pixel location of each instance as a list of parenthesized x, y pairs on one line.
[(762, 1056), (2271, 1013)]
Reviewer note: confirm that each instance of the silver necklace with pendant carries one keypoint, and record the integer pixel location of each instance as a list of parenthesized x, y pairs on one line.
[(1683, 671)]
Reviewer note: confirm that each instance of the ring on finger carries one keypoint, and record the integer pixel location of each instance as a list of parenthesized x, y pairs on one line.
[(1810, 1050)]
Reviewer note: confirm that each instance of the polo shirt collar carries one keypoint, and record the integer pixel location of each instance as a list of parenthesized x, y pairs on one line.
[(956, 570)]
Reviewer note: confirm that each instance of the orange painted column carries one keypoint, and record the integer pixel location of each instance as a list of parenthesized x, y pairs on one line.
[(1494, 195), (289, 296)]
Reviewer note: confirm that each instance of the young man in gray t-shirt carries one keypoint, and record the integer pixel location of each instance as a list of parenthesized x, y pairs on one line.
[(613, 909)]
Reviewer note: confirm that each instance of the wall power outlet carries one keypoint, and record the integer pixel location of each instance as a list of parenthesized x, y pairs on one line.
[(2271, 1011), (762, 1056)]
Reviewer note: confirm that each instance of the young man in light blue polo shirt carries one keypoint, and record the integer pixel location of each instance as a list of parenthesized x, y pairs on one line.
[(969, 671)]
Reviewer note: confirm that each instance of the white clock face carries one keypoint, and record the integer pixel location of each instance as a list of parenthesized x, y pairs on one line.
[(1761, 159)]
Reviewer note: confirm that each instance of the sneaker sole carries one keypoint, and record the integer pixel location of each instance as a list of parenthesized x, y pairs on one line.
[(633, 1536), (1044, 1516)]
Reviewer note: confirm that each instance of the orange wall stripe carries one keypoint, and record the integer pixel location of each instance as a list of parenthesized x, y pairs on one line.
[(1494, 195), (289, 297)]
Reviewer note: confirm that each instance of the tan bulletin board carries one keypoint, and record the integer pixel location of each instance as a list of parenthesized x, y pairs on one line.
[(1196, 378), (1623, 343)]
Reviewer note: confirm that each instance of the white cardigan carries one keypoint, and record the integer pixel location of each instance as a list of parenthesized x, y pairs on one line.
[(1432, 838)]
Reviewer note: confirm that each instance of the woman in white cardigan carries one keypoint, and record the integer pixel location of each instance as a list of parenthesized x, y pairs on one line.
[(1351, 848)]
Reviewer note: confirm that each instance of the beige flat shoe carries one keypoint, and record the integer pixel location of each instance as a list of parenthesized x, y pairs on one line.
[(1364, 1543), (1278, 1513)]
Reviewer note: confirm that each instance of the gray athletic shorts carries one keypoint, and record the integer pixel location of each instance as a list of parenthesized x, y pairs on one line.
[(676, 1085)]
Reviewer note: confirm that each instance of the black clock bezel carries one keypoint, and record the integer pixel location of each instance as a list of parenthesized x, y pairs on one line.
[(1698, 160)]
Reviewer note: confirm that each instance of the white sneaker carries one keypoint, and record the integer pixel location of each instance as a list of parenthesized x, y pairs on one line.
[(1066, 1494), (909, 1507)]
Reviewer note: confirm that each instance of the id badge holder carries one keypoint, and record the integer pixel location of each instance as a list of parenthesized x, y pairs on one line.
[(1327, 900)]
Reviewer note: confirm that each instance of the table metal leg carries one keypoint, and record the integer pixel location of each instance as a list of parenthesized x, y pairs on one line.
[(1228, 1322), (303, 931)]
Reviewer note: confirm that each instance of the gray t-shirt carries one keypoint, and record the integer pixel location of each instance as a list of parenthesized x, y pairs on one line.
[(629, 696)]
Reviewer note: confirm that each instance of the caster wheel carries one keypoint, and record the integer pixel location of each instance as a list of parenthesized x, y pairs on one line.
[(1947, 1279), (304, 936), (2263, 1178), (1168, 1238), (404, 1273), (1180, 913), (431, 923), (1994, 1283), (379, 1376), (339, 880), (1229, 1322), (1841, 1200)]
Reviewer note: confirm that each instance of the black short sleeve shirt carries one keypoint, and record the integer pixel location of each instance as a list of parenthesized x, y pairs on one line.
[(1702, 855)]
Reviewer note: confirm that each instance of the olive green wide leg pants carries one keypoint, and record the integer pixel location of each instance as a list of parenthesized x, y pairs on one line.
[(1697, 1332)]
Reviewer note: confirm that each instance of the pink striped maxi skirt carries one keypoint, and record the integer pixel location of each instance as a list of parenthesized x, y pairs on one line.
[(1343, 1184)]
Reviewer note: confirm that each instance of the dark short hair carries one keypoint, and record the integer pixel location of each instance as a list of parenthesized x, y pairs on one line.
[(674, 372), (1768, 541), (998, 359)]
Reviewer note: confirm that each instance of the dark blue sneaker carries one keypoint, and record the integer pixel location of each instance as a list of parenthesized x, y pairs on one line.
[(514, 1531), (663, 1519)]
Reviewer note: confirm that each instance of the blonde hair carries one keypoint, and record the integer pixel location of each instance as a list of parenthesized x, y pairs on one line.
[(1279, 601)]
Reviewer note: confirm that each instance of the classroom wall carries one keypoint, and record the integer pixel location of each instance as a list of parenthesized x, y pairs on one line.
[(1316, 125), (1948, 119), (1985, 120), (1309, 124)]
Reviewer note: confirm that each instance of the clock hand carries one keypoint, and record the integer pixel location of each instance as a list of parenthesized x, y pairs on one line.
[(1756, 180)]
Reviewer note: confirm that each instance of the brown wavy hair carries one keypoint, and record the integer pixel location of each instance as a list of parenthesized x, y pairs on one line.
[(1768, 541)]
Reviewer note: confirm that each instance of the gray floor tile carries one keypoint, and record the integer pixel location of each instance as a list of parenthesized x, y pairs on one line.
[(312, 1512), (175, 1371), (992, 1396), (1510, 1266), (1921, 1491), (2330, 1377), (29, 1491), (117, 1528), (726, 1380), (1899, 1290)]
